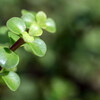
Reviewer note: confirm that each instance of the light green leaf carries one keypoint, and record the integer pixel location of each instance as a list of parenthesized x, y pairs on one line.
[(50, 25), (13, 37), (12, 80), (23, 11), (8, 59), (27, 47), (16, 25), (38, 47), (14, 69), (28, 18), (3, 30), (35, 30), (41, 18), (27, 38)]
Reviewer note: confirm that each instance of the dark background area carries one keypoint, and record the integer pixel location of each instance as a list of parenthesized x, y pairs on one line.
[(70, 70)]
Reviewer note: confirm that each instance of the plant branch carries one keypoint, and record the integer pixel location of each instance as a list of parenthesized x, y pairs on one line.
[(17, 44)]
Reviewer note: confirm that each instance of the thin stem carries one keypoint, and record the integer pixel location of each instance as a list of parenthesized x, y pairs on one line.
[(17, 44)]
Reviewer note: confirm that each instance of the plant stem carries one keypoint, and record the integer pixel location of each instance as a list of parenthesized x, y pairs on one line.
[(17, 44)]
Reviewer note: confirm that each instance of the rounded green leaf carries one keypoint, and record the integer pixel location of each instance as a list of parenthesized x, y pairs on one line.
[(16, 25), (23, 11), (13, 37), (27, 48), (3, 30), (38, 47), (28, 18), (27, 38), (12, 80), (35, 30), (50, 25), (8, 59), (41, 18)]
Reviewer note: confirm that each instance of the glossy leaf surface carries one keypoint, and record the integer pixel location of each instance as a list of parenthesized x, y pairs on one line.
[(28, 18), (8, 59), (38, 47), (12, 80), (16, 25), (35, 30), (27, 48), (50, 25), (41, 18), (27, 38)]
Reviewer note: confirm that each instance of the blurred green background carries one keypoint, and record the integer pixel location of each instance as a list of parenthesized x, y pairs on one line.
[(70, 70)]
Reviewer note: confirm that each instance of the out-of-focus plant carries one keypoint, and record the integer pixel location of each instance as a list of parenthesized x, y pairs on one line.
[(24, 31)]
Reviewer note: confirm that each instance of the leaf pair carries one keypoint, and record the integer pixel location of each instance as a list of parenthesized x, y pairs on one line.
[(37, 46), (8, 61), (46, 23)]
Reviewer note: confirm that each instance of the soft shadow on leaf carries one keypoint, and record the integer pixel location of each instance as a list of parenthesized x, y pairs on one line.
[(8, 59), (12, 80)]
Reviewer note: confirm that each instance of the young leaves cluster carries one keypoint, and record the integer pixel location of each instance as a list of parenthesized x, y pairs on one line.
[(28, 28)]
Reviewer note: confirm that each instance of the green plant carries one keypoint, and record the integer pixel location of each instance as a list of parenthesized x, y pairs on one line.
[(24, 31)]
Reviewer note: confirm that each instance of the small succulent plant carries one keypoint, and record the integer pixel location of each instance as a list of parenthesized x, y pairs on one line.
[(24, 31)]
